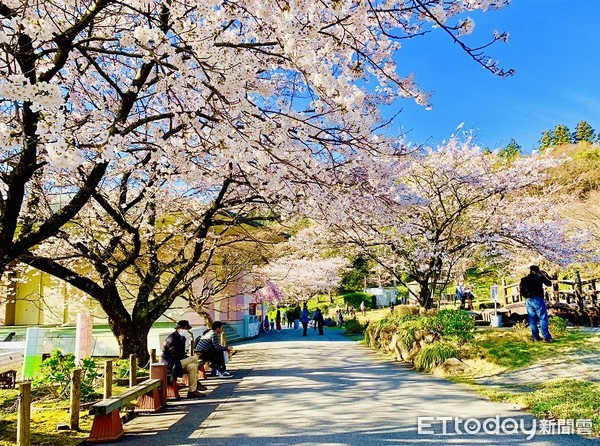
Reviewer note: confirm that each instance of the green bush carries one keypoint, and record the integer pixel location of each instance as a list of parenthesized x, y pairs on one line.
[(407, 309), (352, 326), (557, 326), (406, 335), (522, 330), (434, 355), (354, 300), (121, 368), (455, 324), (55, 375)]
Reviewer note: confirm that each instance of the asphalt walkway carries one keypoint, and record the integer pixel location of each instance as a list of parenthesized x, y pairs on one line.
[(328, 390)]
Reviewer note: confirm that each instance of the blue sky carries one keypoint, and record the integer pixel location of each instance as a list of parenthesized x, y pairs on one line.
[(554, 47)]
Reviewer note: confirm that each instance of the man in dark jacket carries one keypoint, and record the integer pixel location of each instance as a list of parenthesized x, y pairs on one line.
[(319, 320), (173, 353), (532, 289), (209, 348)]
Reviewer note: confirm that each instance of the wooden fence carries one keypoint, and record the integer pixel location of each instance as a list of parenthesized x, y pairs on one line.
[(24, 411), (582, 292)]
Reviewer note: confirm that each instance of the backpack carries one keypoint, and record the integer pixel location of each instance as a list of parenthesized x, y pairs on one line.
[(524, 289)]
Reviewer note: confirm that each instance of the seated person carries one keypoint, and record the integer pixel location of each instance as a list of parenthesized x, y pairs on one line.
[(209, 348), (173, 353)]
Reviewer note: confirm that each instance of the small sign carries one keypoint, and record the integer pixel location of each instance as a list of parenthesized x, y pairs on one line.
[(252, 309), (494, 295)]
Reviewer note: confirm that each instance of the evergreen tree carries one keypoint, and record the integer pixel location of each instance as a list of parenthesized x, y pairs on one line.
[(583, 132), (354, 279), (511, 151), (547, 139), (562, 135)]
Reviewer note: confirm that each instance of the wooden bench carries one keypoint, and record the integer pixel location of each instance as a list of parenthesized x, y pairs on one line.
[(107, 425), (173, 388)]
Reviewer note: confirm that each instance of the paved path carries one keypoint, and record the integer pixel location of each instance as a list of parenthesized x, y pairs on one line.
[(326, 390)]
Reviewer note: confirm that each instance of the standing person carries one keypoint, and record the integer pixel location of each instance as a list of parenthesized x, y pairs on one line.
[(297, 318), (304, 319), (340, 318), (391, 307), (209, 348), (459, 295), (363, 308), (278, 319), (173, 353), (347, 312), (531, 288), (468, 296), (290, 317), (319, 320), (266, 322)]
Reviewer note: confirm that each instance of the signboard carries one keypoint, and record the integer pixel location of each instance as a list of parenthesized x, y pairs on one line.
[(252, 309), (494, 295)]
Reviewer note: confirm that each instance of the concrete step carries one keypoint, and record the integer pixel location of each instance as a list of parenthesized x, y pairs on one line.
[(232, 334)]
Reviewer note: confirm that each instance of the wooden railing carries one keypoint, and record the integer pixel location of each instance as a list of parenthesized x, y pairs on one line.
[(563, 291)]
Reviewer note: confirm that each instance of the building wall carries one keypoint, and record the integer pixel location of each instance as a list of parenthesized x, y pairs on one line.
[(44, 300), (41, 299)]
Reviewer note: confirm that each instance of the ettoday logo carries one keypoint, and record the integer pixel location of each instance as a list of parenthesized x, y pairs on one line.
[(501, 426)]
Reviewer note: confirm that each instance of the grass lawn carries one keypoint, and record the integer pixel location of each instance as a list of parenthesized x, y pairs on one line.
[(510, 349), (566, 399), (506, 351), (45, 416)]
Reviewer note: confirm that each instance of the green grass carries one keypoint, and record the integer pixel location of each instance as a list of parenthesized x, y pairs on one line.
[(509, 349), (43, 424), (44, 418), (434, 355), (558, 399), (565, 399)]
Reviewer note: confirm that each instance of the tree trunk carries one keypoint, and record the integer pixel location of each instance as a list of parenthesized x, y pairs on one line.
[(207, 319), (425, 299), (132, 339)]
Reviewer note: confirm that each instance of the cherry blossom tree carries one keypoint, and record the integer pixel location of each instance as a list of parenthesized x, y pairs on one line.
[(147, 237), (86, 84), (418, 218), (230, 272), (269, 293), (304, 266), (299, 278)]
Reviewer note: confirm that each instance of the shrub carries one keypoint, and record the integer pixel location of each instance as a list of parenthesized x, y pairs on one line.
[(354, 299), (406, 335), (353, 326), (558, 325), (456, 324), (522, 330), (122, 368), (407, 309), (55, 375), (434, 355)]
